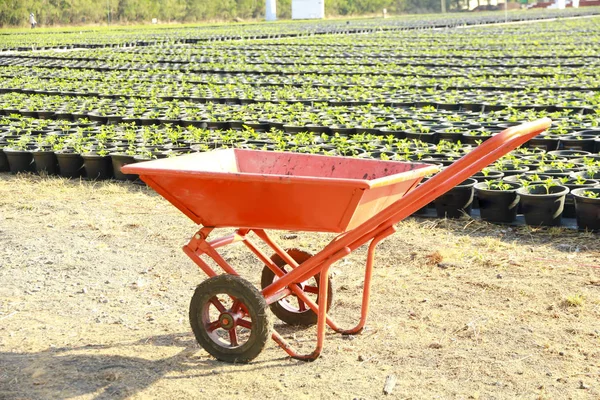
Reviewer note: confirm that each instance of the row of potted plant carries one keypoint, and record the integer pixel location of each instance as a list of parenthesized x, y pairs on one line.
[(77, 37), (523, 38), (569, 132), (423, 120), (529, 78), (273, 55), (246, 93), (542, 200), (247, 89), (542, 192), (82, 136), (485, 75)]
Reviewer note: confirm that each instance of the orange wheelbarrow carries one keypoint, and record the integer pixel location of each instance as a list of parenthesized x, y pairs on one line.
[(361, 199)]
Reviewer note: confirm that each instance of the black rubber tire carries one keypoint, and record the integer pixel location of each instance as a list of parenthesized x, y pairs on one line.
[(285, 312), (254, 306)]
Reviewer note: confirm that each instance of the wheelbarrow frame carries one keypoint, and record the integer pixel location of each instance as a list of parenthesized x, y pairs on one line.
[(374, 229)]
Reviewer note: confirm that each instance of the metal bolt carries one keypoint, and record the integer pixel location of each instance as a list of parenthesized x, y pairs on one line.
[(197, 236)]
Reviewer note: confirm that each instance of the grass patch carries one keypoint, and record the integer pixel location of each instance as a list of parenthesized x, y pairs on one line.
[(576, 300)]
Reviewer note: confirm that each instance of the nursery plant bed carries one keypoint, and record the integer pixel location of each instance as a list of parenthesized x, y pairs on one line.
[(479, 309)]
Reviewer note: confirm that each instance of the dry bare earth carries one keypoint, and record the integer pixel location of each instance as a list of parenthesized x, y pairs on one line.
[(94, 295)]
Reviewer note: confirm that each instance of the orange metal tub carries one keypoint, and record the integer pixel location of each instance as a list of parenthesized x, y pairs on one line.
[(274, 190)]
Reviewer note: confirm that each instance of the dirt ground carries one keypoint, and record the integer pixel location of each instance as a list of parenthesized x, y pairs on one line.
[(94, 296)]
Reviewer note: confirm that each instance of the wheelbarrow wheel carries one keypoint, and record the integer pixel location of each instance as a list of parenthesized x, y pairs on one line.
[(229, 318), (291, 309)]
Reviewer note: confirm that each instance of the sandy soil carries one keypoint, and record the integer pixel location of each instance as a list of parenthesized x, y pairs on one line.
[(94, 296)]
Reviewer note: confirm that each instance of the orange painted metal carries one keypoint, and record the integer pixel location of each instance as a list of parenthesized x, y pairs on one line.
[(367, 283), (364, 199), (482, 156), (274, 190)]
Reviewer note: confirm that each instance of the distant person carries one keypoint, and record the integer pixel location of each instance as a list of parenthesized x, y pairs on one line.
[(32, 20)]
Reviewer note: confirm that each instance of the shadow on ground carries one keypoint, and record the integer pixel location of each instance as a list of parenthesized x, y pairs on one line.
[(563, 239), (69, 372)]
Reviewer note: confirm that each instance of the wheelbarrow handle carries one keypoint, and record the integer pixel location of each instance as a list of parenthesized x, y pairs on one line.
[(479, 158), (482, 156)]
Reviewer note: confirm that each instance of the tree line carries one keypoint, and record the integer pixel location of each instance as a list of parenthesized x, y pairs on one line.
[(78, 12)]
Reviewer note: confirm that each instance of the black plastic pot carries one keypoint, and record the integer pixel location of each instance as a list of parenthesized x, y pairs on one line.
[(569, 154), (388, 155), (423, 210), (569, 211), (453, 137), (441, 159), (556, 173), (428, 137), (527, 177), (511, 169), (3, 162), (97, 167), (587, 210), (342, 130), (317, 129), (276, 125), (498, 205), (457, 201), (593, 133), (474, 139), (19, 160), (589, 173), (97, 118), (354, 151), (64, 116), (114, 119), (491, 176), (481, 177), (70, 165), (45, 114), (258, 126), (547, 142), (582, 160), (45, 162), (119, 160), (541, 206), (577, 142), (142, 158), (294, 128)]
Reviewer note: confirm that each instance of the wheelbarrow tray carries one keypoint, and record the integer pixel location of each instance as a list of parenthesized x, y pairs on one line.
[(277, 190)]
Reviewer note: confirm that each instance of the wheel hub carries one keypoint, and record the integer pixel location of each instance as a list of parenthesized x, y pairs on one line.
[(227, 320)]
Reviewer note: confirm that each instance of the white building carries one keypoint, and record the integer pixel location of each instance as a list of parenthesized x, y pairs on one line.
[(308, 9), (271, 10)]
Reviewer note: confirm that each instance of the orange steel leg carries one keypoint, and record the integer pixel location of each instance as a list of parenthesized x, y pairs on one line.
[(321, 320), (291, 289), (278, 249), (199, 262), (198, 246), (321, 313), (367, 284)]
